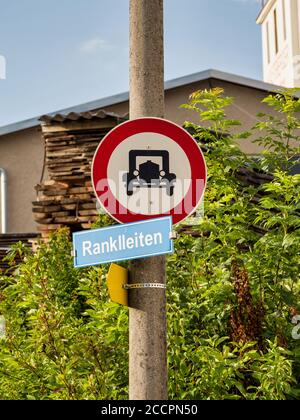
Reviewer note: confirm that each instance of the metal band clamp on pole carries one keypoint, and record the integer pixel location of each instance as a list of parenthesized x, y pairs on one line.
[(145, 286)]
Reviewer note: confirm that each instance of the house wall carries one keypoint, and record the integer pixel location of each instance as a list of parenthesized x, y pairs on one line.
[(22, 156), (22, 153), (245, 108), (281, 58)]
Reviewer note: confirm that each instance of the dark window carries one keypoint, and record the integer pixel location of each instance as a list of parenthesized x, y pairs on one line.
[(276, 31), (296, 168)]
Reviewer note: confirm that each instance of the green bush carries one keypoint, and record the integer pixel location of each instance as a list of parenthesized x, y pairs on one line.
[(233, 286)]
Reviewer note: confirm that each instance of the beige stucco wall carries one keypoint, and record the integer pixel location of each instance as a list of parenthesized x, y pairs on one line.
[(245, 108), (22, 156), (22, 153)]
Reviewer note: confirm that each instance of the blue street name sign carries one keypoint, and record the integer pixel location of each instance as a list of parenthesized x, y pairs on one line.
[(123, 242)]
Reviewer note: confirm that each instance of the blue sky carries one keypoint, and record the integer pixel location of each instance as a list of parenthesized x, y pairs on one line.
[(61, 53)]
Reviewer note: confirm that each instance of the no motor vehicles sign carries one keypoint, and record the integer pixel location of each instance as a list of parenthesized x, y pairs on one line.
[(149, 168)]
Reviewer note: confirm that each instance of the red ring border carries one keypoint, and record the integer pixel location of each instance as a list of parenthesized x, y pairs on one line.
[(149, 125)]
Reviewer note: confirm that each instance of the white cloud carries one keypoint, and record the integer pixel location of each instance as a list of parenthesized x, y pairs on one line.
[(94, 45)]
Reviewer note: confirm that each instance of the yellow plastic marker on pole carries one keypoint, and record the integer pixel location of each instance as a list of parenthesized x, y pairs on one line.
[(117, 278)]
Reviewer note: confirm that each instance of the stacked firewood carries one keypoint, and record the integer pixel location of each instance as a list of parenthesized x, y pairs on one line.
[(67, 198), (62, 203)]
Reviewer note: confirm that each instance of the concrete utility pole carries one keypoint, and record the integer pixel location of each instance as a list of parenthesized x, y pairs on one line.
[(147, 314)]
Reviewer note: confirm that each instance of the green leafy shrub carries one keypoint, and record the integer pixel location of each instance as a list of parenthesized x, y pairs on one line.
[(233, 285), (64, 339)]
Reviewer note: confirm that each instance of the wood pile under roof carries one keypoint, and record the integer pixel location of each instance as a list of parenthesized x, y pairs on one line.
[(66, 198)]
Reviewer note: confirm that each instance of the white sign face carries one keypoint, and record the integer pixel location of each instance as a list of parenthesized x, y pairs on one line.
[(156, 200), (149, 168)]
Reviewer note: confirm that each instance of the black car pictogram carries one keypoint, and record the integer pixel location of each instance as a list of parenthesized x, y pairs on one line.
[(149, 174)]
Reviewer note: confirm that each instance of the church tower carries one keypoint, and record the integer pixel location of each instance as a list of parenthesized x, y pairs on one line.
[(280, 22)]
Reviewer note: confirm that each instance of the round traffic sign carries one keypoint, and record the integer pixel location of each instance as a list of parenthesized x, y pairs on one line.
[(148, 168)]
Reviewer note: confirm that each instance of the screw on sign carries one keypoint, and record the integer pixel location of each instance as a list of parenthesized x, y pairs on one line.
[(148, 168)]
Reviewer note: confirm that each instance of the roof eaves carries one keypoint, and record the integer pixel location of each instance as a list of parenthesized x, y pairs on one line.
[(187, 80), (264, 11), (89, 106), (76, 116), (123, 97), (226, 77), (19, 126), (244, 81)]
